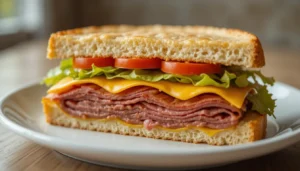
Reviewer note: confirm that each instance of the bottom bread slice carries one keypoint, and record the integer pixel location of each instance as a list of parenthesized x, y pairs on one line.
[(251, 128)]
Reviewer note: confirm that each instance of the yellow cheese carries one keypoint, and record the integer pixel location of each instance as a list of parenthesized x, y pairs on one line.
[(208, 131), (234, 96)]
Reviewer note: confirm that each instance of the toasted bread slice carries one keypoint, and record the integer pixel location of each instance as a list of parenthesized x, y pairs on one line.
[(176, 43), (251, 128)]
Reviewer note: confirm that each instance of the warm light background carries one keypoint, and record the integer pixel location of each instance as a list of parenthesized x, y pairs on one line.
[(275, 22)]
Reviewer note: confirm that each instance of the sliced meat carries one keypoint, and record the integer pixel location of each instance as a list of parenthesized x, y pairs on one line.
[(149, 106)]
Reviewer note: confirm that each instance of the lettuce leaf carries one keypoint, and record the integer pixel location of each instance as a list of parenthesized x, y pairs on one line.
[(261, 99), (256, 76), (65, 69)]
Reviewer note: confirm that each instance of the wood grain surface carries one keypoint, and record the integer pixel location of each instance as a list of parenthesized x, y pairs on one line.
[(26, 63)]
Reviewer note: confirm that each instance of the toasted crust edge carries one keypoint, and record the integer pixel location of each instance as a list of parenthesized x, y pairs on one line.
[(258, 53), (257, 60), (251, 128)]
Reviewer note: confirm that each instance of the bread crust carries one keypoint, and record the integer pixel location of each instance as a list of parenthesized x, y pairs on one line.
[(176, 43), (251, 128)]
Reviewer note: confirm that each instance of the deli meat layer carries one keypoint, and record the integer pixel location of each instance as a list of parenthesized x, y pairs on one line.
[(150, 107)]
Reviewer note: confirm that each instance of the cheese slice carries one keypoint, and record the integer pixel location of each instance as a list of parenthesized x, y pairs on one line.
[(233, 95), (208, 131)]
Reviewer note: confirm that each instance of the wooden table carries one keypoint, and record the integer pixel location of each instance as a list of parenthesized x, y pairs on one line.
[(27, 63)]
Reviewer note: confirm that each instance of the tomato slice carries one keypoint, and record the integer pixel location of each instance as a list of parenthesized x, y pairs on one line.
[(87, 62), (189, 68), (138, 63)]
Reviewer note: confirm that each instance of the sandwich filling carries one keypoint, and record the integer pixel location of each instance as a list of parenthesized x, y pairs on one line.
[(153, 98), (150, 107)]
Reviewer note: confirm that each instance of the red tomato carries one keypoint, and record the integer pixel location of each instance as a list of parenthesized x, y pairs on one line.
[(138, 63), (87, 62), (189, 68)]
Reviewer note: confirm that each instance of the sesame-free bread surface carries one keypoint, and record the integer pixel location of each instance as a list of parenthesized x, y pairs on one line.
[(251, 128), (176, 43)]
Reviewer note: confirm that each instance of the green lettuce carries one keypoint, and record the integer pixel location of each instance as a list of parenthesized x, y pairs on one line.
[(261, 99), (65, 69)]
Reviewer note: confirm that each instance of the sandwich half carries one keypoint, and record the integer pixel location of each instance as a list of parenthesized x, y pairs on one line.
[(184, 83)]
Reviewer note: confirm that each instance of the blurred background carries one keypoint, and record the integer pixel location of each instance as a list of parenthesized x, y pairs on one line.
[(25, 26), (275, 22)]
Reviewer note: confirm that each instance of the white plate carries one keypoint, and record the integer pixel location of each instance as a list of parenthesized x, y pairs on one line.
[(22, 113)]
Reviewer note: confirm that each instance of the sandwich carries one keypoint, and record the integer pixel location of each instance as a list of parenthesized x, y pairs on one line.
[(193, 84)]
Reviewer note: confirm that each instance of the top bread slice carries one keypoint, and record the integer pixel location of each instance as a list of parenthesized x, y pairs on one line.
[(177, 43)]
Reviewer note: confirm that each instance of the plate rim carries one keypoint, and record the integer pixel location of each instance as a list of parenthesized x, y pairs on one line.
[(48, 139)]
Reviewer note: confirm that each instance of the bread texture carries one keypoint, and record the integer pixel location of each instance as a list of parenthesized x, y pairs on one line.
[(251, 128), (177, 43)]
